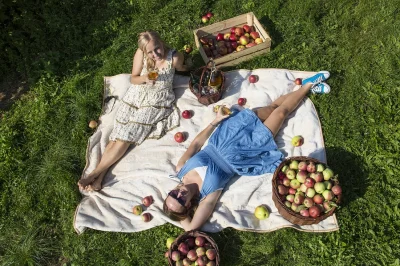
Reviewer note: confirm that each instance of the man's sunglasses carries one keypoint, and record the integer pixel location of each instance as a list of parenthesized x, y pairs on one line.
[(174, 193)]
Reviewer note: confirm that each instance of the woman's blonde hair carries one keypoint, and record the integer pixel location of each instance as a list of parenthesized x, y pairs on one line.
[(144, 39), (179, 216)]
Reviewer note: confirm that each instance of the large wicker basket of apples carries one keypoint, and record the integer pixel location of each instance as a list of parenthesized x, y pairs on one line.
[(193, 248), (305, 190)]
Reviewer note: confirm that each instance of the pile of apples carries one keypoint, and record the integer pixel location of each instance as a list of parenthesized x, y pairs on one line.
[(193, 251), (138, 209), (237, 39), (308, 188)]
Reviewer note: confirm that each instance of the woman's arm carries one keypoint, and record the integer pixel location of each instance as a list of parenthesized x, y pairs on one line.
[(137, 68), (200, 139), (203, 212), (178, 62)]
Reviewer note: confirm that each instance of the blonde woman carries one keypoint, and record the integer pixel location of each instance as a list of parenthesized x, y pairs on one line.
[(147, 110)]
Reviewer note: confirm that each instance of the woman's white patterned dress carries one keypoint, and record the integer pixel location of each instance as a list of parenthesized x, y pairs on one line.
[(147, 111)]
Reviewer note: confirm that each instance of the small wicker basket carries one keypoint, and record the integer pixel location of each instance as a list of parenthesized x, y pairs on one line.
[(196, 78), (186, 235), (287, 213)]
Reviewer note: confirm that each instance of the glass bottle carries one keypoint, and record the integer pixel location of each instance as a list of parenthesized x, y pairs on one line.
[(215, 80)]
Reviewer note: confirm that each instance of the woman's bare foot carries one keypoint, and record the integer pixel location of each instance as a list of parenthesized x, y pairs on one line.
[(85, 181), (95, 185)]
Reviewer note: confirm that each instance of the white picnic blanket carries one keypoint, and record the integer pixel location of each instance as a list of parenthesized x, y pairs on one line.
[(144, 170)]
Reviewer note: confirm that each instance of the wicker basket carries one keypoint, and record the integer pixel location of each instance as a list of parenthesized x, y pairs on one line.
[(186, 235), (287, 213), (196, 78)]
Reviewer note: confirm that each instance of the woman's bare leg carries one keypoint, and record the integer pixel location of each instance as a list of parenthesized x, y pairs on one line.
[(113, 152), (264, 112), (288, 105)]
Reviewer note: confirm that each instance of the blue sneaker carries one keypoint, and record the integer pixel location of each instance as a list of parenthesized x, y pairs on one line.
[(320, 88), (317, 78)]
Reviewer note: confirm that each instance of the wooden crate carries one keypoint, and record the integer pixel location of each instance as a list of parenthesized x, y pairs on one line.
[(224, 27)]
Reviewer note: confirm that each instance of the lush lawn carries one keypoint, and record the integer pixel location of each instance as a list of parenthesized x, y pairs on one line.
[(72, 46)]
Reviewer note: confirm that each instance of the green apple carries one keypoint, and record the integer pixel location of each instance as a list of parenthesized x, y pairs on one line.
[(170, 240), (137, 210), (328, 174), (261, 212), (297, 141)]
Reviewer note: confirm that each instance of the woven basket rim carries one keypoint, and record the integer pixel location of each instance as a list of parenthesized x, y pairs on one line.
[(289, 214), (194, 233), (219, 93)]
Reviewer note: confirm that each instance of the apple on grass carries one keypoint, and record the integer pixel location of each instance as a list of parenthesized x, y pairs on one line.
[(242, 101), (209, 14), (92, 124), (170, 240), (179, 137), (261, 212), (253, 78), (188, 48), (147, 201), (205, 19), (137, 210)]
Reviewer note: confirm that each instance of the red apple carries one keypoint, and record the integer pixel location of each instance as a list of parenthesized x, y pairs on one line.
[(201, 261), (318, 199), (92, 124), (292, 190), (175, 255), (146, 217), (242, 101), (179, 137), (253, 78), (247, 28), (234, 45), (314, 211), (298, 81), (239, 31), (254, 35), (233, 30), (183, 248), (282, 190), (233, 37), (220, 37), (302, 165), (209, 14), (227, 36), (186, 114), (251, 44), (147, 201), (337, 190), (205, 19), (243, 40), (305, 213), (200, 241), (308, 202), (211, 254), (309, 182), (188, 48), (290, 198), (192, 255)]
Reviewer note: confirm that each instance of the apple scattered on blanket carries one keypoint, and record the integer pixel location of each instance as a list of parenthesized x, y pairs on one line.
[(297, 141), (92, 124), (146, 217), (179, 137), (147, 201), (186, 114), (137, 210), (261, 212), (253, 78), (298, 81), (242, 101)]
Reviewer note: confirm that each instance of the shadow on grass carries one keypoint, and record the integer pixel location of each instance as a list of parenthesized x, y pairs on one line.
[(351, 173), (229, 246), (276, 37)]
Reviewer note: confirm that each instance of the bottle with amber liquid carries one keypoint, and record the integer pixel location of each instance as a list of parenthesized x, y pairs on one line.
[(215, 80)]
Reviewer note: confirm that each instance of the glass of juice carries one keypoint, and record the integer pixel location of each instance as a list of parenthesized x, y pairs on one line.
[(153, 74)]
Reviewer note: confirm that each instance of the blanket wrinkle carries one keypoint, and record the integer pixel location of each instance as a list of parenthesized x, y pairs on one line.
[(144, 169)]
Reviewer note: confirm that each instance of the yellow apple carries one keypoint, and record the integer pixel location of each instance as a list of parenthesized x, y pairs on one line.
[(261, 212)]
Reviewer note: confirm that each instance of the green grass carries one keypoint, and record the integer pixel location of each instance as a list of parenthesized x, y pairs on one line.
[(43, 137)]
